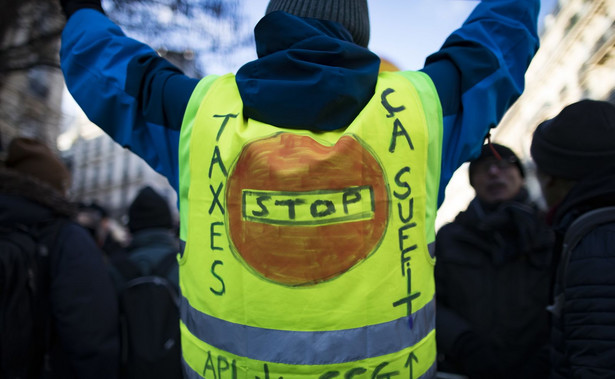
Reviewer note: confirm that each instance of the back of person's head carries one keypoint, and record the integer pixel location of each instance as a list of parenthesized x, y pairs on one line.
[(579, 141), (352, 14), (149, 210), (35, 160)]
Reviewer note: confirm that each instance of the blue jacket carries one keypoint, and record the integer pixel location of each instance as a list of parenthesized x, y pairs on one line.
[(139, 98)]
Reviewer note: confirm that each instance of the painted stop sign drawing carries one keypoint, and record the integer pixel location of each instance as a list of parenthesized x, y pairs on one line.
[(301, 212)]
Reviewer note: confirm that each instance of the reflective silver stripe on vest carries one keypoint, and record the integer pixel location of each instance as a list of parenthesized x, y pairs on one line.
[(432, 249), (309, 348)]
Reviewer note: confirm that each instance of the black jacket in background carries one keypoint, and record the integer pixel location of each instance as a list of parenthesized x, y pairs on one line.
[(85, 341), (493, 274), (583, 337)]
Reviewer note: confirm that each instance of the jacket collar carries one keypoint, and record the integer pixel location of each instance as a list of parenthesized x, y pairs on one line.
[(594, 191)]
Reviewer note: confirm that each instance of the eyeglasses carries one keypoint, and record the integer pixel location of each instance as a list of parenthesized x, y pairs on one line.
[(502, 164)]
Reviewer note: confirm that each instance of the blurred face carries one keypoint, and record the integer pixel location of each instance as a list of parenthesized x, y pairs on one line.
[(496, 180), (554, 189)]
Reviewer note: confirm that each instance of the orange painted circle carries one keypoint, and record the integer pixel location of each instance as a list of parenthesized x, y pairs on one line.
[(301, 255)]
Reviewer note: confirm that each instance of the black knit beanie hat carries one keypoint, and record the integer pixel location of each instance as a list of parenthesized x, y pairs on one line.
[(352, 14), (149, 210), (504, 153), (577, 142)]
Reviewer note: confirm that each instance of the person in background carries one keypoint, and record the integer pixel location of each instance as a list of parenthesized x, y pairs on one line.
[(575, 157), (308, 182), (147, 283), (493, 275), (95, 219), (83, 341), (153, 239)]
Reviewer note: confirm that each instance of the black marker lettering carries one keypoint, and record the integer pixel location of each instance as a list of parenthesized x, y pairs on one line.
[(217, 159), (406, 220), (215, 200), (213, 272), (264, 212), (402, 237), (212, 230), (329, 375), (209, 365), (385, 103), (399, 130), (346, 199), (329, 208), (354, 372), (226, 118), (223, 365), (290, 203), (402, 184), (377, 375)]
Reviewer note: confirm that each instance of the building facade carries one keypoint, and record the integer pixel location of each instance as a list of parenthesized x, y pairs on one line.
[(576, 61)]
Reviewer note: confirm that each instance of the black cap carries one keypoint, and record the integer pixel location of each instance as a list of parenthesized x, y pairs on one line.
[(149, 210), (577, 142), (352, 14)]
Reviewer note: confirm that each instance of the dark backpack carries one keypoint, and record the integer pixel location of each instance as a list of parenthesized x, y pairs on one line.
[(25, 321), (574, 234), (149, 322)]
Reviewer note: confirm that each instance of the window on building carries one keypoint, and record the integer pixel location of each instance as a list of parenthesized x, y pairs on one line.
[(572, 22), (96, 177), (110, 167)]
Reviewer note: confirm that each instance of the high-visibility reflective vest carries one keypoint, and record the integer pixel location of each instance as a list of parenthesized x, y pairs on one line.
[(309, 255)]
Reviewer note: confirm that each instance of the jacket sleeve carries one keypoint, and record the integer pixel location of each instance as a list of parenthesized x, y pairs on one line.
[(479, 73), (126, 88), (84, 306)]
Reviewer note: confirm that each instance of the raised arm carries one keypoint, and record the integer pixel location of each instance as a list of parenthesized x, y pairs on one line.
[(124, 86), (479, 73)]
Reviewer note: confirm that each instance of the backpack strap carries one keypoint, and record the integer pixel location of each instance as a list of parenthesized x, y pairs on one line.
[(49, 235), (127, 269), (574, 234), (130, 270), (46, 235)]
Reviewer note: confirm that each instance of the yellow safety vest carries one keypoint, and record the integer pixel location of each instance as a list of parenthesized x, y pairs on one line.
[(307, 254)]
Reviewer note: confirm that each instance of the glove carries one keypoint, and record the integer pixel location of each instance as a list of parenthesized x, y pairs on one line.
[(71, 6), (476, 357)]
